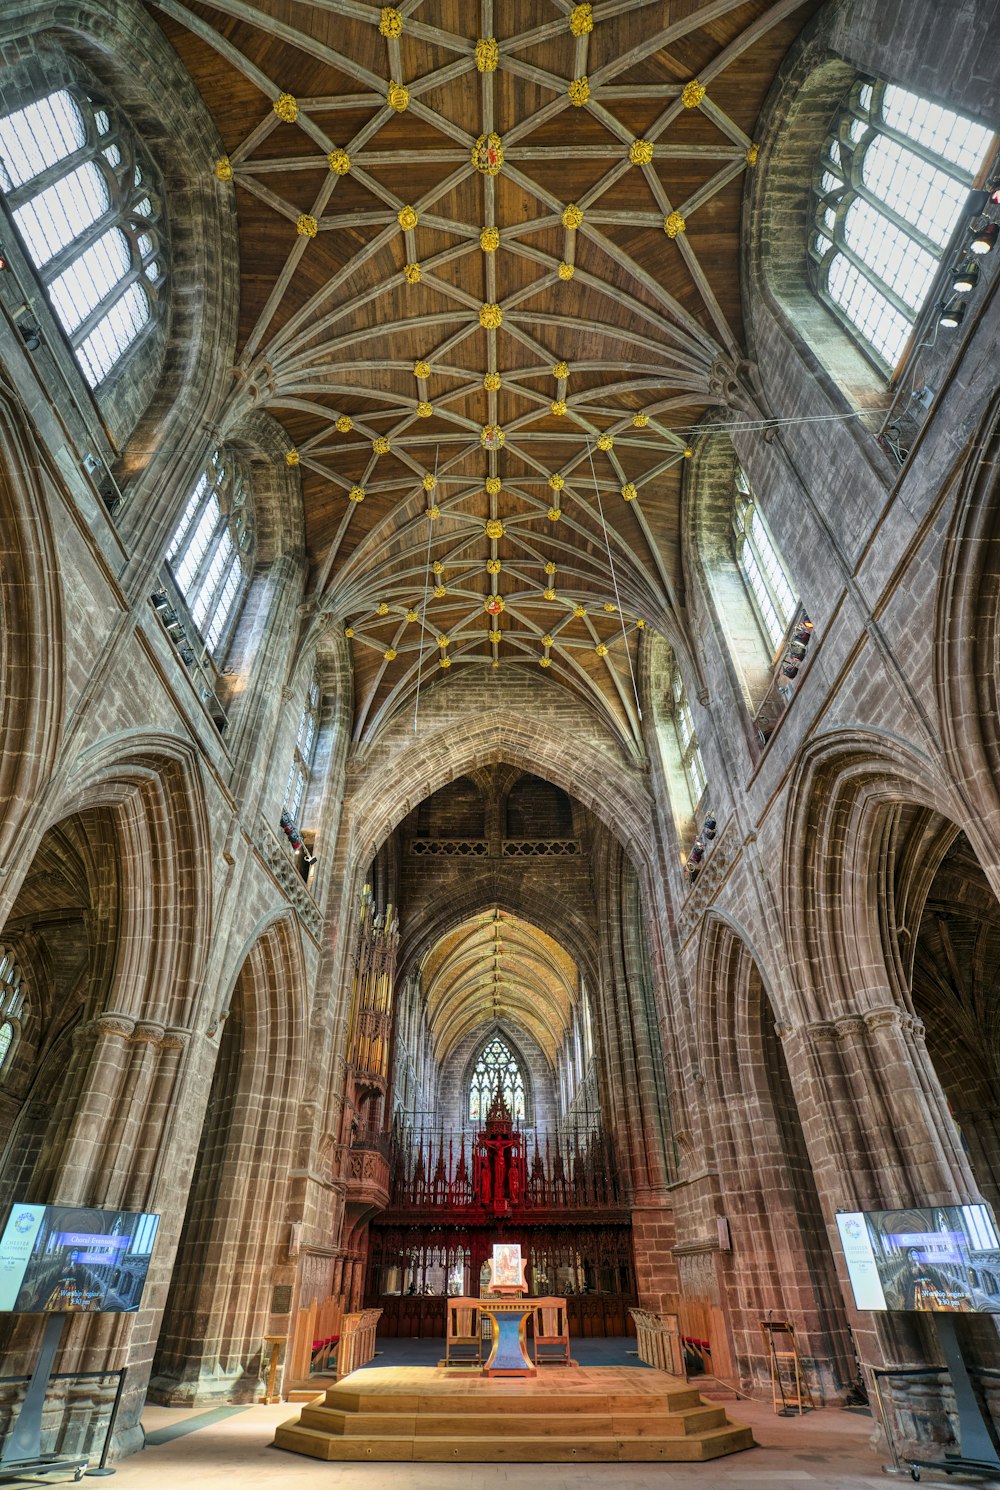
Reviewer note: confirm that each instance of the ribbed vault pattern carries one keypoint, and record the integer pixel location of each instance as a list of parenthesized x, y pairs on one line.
[(489, 285), (498, 969)]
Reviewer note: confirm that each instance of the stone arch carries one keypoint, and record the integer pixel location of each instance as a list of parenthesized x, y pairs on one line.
[(233, 1278), (136, 65), (617, 794), (529, 798), (575, 933), (466, 816), (834, 852), (31, 623), (947, 922), (780, 1261), (873, 1110), (967, 624), (152, 785)]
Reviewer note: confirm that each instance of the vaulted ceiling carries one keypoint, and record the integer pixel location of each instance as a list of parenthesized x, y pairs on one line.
[(489, 285), (496, 968)]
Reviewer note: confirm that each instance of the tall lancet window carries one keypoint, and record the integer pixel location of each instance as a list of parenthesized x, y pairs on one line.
[(496, 1071), (304, 754), (687, 740), (211, 552), (891, 186), (766, 578), (82, 198)]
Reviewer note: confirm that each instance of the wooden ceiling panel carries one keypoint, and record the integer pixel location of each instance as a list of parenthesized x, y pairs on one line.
[(369, 297)]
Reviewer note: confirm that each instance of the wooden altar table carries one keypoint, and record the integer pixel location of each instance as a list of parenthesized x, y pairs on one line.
[(509, 1322)]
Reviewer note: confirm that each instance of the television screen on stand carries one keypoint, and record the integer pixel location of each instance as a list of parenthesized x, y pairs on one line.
[(942, 1259), (60, 1259)]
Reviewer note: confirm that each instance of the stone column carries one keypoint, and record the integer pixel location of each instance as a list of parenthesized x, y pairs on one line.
[(879, 1136)]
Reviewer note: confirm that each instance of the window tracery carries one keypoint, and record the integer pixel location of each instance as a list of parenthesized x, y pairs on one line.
[(891, 183), (211, 553), (496, 1071), (81, 196), (12, 1005), (304, 754), (761, 565), (687, 740)]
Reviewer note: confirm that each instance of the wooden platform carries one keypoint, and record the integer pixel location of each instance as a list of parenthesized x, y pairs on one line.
[(566, 1414)]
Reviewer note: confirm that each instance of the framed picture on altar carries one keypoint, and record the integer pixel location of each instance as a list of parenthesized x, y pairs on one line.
[(507, 1266)]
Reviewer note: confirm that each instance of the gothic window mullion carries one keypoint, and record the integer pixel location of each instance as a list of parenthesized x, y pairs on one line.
[(908, 165), (66, 171), (90, 235), (902, 223), (88, 326), (209, 555)]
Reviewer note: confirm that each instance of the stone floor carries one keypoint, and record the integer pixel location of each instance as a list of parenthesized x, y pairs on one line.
[(825, 1450), (195, 1449)]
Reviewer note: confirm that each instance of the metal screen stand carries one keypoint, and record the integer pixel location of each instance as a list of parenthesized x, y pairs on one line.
[(977, 1443), (22, 1453)]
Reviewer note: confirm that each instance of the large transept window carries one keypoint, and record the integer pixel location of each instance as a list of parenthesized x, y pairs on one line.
[(79, 194), (496, 1071), (892, 181), (766, 578), (210, 554)]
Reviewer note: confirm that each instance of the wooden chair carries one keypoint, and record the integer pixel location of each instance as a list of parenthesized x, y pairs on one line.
[(552, 1335), (463, 1341)]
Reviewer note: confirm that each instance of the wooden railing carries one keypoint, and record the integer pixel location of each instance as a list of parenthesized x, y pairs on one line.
[(316, 1331), (658, 1337), (327, 1342), (703, 1332), (357, 1340)]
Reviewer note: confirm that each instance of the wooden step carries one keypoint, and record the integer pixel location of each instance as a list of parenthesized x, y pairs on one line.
[(587, 1400), (427, 1415), (514, 1450), (631, 1424)]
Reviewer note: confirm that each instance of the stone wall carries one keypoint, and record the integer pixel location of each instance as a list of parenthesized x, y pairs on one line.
[(759, 1035)]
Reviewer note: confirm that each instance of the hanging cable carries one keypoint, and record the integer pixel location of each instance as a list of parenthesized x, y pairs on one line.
[(614, 582), (427, 586)]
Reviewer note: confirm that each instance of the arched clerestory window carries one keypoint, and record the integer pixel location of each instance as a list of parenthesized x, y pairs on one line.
[(82, 195), (12, 1006), (496, 1072), (304, 754), (764, 573), (211, 553), (890, 187), (688, 748)]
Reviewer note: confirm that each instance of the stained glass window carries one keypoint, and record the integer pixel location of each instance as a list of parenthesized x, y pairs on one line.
[(79, 192), (6, 1038), (211, 552), (774, 599), (890, 188), (496, 1071)]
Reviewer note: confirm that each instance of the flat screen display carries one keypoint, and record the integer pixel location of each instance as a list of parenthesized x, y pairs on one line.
[(59, 1259), (942, 1259)]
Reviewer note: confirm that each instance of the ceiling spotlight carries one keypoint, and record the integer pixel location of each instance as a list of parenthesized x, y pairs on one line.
[(965, 277), (985, 239), (952, 314)]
